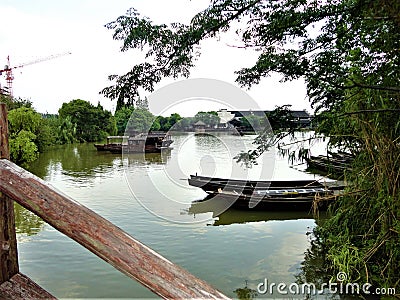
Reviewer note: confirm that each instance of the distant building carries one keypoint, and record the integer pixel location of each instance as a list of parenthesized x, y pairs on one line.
[(199, 127), (301, 117), (225, 117)]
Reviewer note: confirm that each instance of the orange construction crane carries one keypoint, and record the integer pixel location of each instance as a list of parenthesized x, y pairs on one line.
[(9, 74)]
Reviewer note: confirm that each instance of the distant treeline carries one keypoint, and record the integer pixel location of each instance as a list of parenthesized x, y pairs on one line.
[(81, 121)]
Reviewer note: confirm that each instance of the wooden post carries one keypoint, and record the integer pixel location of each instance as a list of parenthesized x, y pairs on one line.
[(8, 242)]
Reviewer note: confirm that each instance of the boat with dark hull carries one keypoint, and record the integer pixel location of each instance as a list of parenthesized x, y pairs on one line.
[(333, 163), (212, 184), (277, 202), (265, 195), (151, 142)]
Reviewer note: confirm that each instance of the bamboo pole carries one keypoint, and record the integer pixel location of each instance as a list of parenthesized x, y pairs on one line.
[(102, 237), (8, 242)]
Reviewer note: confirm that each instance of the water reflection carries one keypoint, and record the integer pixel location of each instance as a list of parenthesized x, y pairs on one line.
[(148, 158), (83, 161), (209, 141), (245, 293), (26, 222), (236, 216)]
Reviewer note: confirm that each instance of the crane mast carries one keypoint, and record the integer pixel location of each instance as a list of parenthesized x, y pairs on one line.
[(8, 69)]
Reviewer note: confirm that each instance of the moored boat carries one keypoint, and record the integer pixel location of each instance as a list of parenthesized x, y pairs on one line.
[(213, 184), (265, 195), (281, 202), (335, 163), (151, 142)]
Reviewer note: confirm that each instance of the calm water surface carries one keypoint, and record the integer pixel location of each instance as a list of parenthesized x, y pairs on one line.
[(148, 197)]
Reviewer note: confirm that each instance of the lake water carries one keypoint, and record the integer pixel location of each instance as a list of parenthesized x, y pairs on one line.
[(148, 197)]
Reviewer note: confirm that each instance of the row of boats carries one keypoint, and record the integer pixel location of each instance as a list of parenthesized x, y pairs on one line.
[(267, 195)]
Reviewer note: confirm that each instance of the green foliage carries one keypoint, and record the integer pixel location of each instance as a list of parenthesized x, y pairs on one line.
[(184, 124), (366, 219), (24, 129), (121, 118), (14, 103), (367, 123), (245, 293), (24, 118), (31, 133), (92, 122), (63, 130), (166, 123), (174, 119), (210, 118), (142, 103), (45, 135), (66, 131), (140, 120), (156, 126), (23, 149)]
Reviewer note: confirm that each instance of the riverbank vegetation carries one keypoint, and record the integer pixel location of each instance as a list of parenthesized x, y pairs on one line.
[(348, 54), (80, 121)]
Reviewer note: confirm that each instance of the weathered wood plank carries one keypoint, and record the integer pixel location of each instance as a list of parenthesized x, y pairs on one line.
[(8, 242), (22, 287), (102, 237)]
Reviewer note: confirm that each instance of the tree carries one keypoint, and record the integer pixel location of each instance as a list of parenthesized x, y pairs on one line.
[(92, 122), (166, 123), (24, 125), (122, 116), (347, 51), (141, 120), (13, 103), (142, 103), (63, 130), (210, 118), (184, 124), (174, 119)]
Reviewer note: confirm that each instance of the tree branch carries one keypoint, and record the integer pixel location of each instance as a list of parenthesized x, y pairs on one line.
[(362, 111), (375, 87)]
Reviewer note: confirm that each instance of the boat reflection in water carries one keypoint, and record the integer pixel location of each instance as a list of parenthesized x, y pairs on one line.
[(227, 215), (146, 158)]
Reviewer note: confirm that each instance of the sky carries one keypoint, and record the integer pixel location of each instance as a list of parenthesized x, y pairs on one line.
[(32, 30)]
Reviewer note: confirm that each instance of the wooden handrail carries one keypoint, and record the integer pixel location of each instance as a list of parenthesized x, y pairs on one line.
[(102, 237)]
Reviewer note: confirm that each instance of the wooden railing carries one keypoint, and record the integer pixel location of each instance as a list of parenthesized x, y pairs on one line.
[(92, 231)]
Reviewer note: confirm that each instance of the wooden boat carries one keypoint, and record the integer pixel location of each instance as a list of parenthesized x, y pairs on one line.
[(335, 163), (264, 195), (111, 143), (281, 202), (213, 185), (151, 142), (100, 147)]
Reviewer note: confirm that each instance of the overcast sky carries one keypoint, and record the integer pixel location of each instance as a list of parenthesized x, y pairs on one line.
[(32, 30)]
